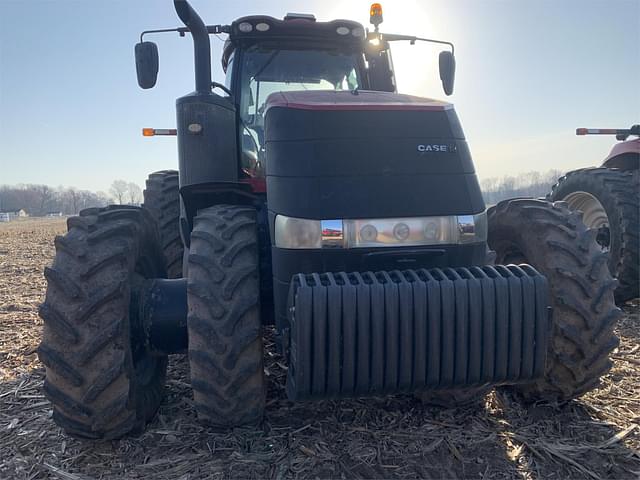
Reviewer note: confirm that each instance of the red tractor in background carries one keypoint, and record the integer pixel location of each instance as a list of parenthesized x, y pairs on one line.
[(608, 197)]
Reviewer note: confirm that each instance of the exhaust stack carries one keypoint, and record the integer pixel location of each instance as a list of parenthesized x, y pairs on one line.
[(201, 46)]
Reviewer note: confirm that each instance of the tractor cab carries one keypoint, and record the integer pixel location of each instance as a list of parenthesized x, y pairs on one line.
[(264, 55)]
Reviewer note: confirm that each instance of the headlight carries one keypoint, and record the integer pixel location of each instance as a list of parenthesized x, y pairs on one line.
[(385, 232), (297, 233), (398, 232)]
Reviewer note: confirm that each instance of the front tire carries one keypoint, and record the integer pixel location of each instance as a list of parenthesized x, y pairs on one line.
[(100, 379), (610, 201), (225, 332), (554, 240)]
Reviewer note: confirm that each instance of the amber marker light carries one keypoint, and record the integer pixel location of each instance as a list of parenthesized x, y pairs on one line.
[(152, 132)]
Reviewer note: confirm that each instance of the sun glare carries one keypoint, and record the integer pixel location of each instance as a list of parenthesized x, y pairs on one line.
[(416, 65)]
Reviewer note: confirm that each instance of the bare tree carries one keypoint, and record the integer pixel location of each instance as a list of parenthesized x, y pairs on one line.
[(119, 190), (73, 196), (45, 195), (4, 197), (135, 193), (41, 199), (102, 198), (530, 184)]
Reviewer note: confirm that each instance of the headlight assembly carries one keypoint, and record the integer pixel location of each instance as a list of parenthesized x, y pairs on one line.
[(297, 233), (385, 232)]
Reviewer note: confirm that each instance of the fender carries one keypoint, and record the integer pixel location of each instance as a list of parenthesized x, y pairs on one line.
[(624, 156)]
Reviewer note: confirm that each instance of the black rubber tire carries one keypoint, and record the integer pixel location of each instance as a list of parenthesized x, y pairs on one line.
[(101, 381), (162, 200), (619, 193), (554, 240), (225, 333)]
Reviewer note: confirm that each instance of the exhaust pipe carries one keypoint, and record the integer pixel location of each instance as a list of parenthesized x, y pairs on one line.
[(201, 46)]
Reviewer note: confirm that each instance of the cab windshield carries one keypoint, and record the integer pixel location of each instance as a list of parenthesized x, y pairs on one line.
[(265, 71)]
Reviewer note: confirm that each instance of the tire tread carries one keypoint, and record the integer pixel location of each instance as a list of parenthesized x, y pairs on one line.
[(90, 376), (225, 343), (581, 289)]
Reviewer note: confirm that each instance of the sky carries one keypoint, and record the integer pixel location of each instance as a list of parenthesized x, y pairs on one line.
[(528, 73)]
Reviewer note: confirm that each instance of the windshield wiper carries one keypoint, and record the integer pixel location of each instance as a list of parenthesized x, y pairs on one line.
[(266, 64), (259, 72)]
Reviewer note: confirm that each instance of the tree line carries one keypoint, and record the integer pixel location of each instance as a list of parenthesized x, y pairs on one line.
[(530, 184), (40, 200)]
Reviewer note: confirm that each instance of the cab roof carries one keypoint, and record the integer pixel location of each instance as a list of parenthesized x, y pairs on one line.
[(294, 28)]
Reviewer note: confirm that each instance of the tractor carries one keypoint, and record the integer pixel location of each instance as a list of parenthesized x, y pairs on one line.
[(609, 198), (315, 200)]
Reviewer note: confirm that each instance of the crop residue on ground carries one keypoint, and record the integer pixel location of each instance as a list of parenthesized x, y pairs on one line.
[(395, 437)]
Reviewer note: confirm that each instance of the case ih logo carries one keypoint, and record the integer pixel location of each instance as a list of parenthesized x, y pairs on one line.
[(436, 147)]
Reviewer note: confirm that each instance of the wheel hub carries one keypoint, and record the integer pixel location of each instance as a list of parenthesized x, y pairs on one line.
[(160, 325), (594, 216)]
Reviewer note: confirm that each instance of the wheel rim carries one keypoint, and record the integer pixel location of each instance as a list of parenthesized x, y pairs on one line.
[(594, 216)]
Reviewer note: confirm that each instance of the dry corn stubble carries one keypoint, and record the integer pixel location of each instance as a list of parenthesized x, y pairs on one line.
[(595, 437)]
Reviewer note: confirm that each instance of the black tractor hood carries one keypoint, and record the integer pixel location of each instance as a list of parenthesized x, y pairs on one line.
[(365, 155)]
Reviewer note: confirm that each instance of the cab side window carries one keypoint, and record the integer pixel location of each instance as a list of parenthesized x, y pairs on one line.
[(227, 78)]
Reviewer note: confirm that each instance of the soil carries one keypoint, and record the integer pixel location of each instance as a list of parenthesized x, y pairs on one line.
[(597, 436)]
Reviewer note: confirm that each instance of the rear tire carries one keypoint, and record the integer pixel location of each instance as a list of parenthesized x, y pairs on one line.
[(162, 200), (554, 240), (99, 378), (618, 193), (225, 332)]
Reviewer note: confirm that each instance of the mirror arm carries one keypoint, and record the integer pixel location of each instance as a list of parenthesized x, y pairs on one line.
[(163, 30), (211, 29), (390, 37)]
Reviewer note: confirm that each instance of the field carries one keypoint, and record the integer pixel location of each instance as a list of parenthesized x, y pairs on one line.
[(595, 437)]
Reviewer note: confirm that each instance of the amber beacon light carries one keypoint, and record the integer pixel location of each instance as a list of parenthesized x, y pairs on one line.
[(375, 14)]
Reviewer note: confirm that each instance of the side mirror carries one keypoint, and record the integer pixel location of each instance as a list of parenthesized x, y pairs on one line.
[(147, 62), (447, 71)]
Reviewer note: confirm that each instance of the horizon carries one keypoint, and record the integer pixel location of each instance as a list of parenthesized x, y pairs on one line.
[(107, 191), (40, 200), (71, 112)]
